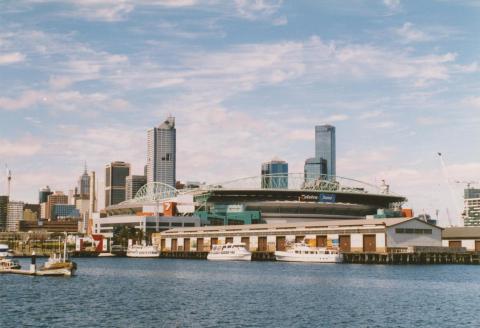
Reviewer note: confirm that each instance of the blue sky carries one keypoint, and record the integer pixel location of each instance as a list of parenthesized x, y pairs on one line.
[(247, 80)]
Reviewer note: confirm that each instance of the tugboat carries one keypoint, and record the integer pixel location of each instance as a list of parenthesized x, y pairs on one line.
[(229, 252), (301, 252)]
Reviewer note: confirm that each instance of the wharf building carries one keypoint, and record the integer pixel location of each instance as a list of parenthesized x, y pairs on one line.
[(275, 174), (471, 211), (161, 153), (462, 237), (368, 236), (325, 147), (116, 174)]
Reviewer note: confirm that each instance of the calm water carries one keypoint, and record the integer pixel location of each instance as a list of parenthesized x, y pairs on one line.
[(120, 292)]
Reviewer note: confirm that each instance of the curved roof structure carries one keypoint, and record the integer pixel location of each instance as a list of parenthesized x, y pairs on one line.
[(152, 193)]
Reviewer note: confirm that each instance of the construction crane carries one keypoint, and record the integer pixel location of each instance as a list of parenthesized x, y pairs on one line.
[(468, 183), (452, 193), (9, 179)]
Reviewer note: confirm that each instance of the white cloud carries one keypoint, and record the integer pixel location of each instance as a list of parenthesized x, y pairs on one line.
[(472, 102), (23, 147), (410, 34), (27, 99), (393, 6), (11, 58)]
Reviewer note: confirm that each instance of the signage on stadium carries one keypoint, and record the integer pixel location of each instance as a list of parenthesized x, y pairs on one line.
[(326, 198)]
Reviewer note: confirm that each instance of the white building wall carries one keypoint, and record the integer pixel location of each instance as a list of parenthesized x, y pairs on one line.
[(411, 239), (380, 240), (237, 239), (469, 244), (356, 242)]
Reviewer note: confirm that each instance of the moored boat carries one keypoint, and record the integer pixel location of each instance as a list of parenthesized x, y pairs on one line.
[(229, 252), (7, 264), (58, 264), (143, 251), (301, 252), (4, 251)]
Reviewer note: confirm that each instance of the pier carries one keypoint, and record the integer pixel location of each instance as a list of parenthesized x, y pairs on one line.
[(413, 258)]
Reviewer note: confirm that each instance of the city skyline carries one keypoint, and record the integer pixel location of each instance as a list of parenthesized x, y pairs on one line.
[(84, 81)]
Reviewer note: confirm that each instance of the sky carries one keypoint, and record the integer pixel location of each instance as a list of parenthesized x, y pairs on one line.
[(247, 80)]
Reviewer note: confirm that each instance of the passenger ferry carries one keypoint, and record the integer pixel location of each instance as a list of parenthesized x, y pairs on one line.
[(229, 252), (301, 252), (143, 251)]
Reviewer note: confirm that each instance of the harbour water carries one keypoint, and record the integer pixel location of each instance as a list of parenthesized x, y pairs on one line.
[(122, 292)]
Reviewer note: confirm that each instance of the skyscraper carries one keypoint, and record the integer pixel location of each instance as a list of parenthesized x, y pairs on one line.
[(325, 146), (314, 169), (161, 153), (43, 194), (3, 212), (84, 184), (14, 216), (275, 174), (115, 176), (57, 197), (133, 184)]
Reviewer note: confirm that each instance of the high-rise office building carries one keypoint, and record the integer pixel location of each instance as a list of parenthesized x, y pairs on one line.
[(84, 184), (57, 197), (325, 146), (133, 184), (314, 169), (471, 211), (14, 216), (93, 194), (116, 174), (275, 174), (3, 212), (161, 153), (43, 194)]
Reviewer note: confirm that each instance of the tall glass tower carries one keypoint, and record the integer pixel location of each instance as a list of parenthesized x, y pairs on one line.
[(275, 174), (325, 146), (161, 153)]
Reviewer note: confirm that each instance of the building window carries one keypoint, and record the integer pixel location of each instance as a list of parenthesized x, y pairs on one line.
[(414, 231)]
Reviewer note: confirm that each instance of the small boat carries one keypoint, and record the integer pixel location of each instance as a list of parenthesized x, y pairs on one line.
[(105, 254), (229, 252), (143, 251), (7, 264), (58, 265), (4, 251), (301, 252)]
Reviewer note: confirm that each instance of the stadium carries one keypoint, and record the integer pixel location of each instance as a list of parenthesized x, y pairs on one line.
[(280, 198)]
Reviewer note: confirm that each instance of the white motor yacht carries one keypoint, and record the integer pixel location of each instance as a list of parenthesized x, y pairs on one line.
[(143, 251), (229, 252), (4, 251), (301, 252), (7, 264)]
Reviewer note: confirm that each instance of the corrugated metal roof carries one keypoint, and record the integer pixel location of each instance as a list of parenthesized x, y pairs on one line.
[(461, 233), (296, 225)]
